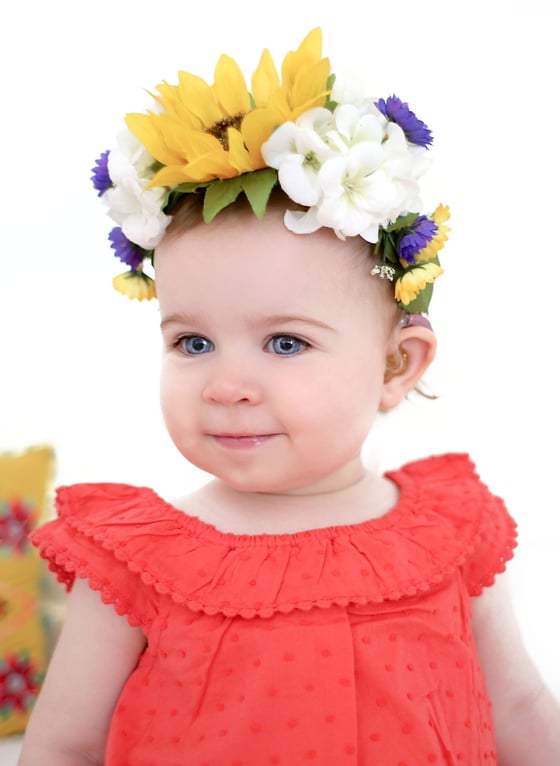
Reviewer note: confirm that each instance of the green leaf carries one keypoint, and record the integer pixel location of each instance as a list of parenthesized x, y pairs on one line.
[(172, 199), (257, 187), (155, 166), (402, 222), (191, 186), (389, 252), (219, 195)]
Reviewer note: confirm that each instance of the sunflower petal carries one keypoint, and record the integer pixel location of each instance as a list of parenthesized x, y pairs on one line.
[(170, 99), (230, 89), (308, 52), (257, 128), (211, 166), (147, 131), (197, 99), (238, 155), (265, 80), (310, 89)]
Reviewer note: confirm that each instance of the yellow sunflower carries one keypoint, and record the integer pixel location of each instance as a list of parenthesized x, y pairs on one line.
[(135, 285), (414, 280), (206, 132)]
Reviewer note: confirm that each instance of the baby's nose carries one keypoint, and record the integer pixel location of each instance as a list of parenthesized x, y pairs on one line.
[(231, 383)]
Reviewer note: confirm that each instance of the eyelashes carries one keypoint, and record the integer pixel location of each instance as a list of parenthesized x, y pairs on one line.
[(194, 345), (286, 345)]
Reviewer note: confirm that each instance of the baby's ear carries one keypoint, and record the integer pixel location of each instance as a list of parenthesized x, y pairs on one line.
[(416, 348)]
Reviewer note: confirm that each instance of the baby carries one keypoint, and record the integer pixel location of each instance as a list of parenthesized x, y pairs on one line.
[(299, 608)]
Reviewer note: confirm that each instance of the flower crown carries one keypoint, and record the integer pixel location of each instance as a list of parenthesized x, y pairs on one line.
[(352, 162)]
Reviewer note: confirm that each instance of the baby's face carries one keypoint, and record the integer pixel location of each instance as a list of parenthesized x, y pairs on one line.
[(275, 347)]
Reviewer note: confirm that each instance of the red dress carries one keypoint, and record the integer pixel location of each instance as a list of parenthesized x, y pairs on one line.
[(341, 646)]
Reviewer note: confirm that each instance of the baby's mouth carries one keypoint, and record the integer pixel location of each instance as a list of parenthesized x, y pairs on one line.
[(242, 441)]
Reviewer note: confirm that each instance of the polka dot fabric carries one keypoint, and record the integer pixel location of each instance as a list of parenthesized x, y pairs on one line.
[(346, 645)]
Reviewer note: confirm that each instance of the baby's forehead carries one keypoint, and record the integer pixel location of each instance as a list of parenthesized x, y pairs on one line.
[(238, 236), (236, 233), (238, 262)]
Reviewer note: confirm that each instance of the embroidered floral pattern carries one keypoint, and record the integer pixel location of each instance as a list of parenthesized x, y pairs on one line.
[(15, 526), (19, 684)]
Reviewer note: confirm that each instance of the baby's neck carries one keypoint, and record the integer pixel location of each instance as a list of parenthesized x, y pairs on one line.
[(229, 510)]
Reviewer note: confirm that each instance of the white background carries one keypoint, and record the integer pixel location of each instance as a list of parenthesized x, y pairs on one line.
[(79, 363)]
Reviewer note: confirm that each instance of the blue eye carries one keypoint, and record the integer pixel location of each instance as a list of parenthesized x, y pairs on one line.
[(195, 345), (286, 345)]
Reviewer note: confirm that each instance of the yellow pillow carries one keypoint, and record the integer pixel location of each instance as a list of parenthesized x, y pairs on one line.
[(25, 479)]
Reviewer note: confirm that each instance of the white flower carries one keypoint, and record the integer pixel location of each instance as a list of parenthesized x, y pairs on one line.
[(357, 197), (129, 158), (353, 169), (137, 210), (356, 126), (138, 213), (297, 150), (348, 88)]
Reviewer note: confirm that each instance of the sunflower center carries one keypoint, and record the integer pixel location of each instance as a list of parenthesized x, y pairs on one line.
[(219, 129)]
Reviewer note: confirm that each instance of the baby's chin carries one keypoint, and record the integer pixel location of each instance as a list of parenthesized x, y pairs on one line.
[(252, 486), (279, 487)]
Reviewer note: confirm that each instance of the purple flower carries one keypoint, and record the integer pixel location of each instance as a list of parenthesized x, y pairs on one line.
[(101, 178), (125, 250), (395, 110), (422, 231)]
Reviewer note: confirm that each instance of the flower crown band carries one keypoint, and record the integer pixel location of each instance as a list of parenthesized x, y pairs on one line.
[(353, 163)]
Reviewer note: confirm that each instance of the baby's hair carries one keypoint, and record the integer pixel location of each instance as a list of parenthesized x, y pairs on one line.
[(186, 214)]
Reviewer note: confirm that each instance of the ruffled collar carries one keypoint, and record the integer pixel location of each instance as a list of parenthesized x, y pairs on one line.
[(433, 529)]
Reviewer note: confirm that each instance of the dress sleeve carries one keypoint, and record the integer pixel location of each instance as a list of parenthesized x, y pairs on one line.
[(78, 545), (484, 533), (496, 542)]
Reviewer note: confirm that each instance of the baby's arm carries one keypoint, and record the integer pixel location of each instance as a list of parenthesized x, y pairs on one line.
[(526, 715), (95, 654)]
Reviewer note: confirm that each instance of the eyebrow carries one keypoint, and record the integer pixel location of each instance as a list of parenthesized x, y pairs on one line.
[(179, 317), (295, 319), (269, 321)]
